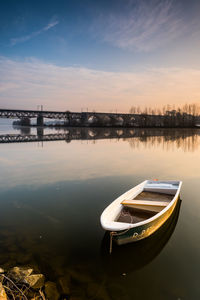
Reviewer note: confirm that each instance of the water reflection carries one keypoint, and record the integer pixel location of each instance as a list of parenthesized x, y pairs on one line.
[(130, 257), (169, 139), (185, 142), (52, 197)]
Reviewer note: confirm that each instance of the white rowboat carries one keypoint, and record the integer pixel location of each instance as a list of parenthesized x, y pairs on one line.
[(139, 212)]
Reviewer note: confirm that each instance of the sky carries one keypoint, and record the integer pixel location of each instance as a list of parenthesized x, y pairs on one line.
[(102, 55)]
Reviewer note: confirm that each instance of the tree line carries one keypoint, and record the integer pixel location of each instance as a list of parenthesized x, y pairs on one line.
[(188, 109), (187, 115)]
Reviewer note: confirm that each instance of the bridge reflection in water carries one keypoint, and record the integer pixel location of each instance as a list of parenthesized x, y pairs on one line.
[(186, 139)]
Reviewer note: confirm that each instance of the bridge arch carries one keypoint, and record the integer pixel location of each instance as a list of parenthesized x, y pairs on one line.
[(119, 132), (119, 121), (93, 120), (106, 120), (92, 133), (132, 121), (107, 133)]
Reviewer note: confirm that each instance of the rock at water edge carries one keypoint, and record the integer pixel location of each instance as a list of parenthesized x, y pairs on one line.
[(19, 273), (35, 281), (3, 295)]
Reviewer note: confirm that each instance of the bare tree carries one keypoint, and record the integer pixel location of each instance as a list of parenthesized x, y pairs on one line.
[(138, 110), (133, 110)]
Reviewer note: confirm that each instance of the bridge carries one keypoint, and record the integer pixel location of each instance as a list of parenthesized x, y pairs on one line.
[(97, 119), (86, 119)]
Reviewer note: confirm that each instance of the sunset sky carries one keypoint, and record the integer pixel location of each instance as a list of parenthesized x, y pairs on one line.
[(102, 55)]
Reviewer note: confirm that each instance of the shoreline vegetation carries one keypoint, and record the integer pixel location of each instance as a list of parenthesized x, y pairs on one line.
[(188, 109)]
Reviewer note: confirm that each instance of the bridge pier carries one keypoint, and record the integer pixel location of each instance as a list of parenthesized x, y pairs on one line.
[(84, 119), (26, 130), (40, 132), (40, 120), (68, 118)]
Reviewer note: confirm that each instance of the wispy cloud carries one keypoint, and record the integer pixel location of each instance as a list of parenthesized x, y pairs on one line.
[(141, 25), (29, 83), (14, 41)]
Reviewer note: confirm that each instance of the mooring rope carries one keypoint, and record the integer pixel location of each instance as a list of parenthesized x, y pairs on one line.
[(114, 233)]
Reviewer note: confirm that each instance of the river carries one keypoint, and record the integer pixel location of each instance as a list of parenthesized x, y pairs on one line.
[(53, 193)]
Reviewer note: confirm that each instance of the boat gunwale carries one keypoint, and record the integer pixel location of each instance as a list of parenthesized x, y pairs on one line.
[(156, 216)]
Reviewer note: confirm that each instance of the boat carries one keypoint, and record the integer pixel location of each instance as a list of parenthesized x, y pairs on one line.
[(146, 250), (141, 211)]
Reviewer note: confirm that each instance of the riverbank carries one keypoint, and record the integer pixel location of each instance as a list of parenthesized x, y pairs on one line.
[(26, 283)]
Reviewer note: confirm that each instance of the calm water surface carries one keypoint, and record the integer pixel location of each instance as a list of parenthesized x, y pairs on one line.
[(52, 195)]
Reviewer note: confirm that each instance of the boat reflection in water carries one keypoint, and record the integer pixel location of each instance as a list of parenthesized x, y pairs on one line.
[(134, 256)]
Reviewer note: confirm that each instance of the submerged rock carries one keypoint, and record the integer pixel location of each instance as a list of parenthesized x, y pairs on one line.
[(51, 291), (35, 281), (3, 295), (23, 274), (19, 273)]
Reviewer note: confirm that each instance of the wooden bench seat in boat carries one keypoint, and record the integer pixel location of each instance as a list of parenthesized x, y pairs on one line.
[(155, 206), (152, 196)]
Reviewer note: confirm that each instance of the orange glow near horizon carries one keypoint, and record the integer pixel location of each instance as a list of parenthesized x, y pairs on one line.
[(71, 88)]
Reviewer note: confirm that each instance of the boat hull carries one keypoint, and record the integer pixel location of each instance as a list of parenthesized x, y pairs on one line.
[(143, 231)]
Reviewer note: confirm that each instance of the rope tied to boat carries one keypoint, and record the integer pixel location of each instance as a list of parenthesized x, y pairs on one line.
[(114, 233)]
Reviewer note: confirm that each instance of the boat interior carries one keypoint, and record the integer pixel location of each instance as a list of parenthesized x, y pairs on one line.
[(153, 199)]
